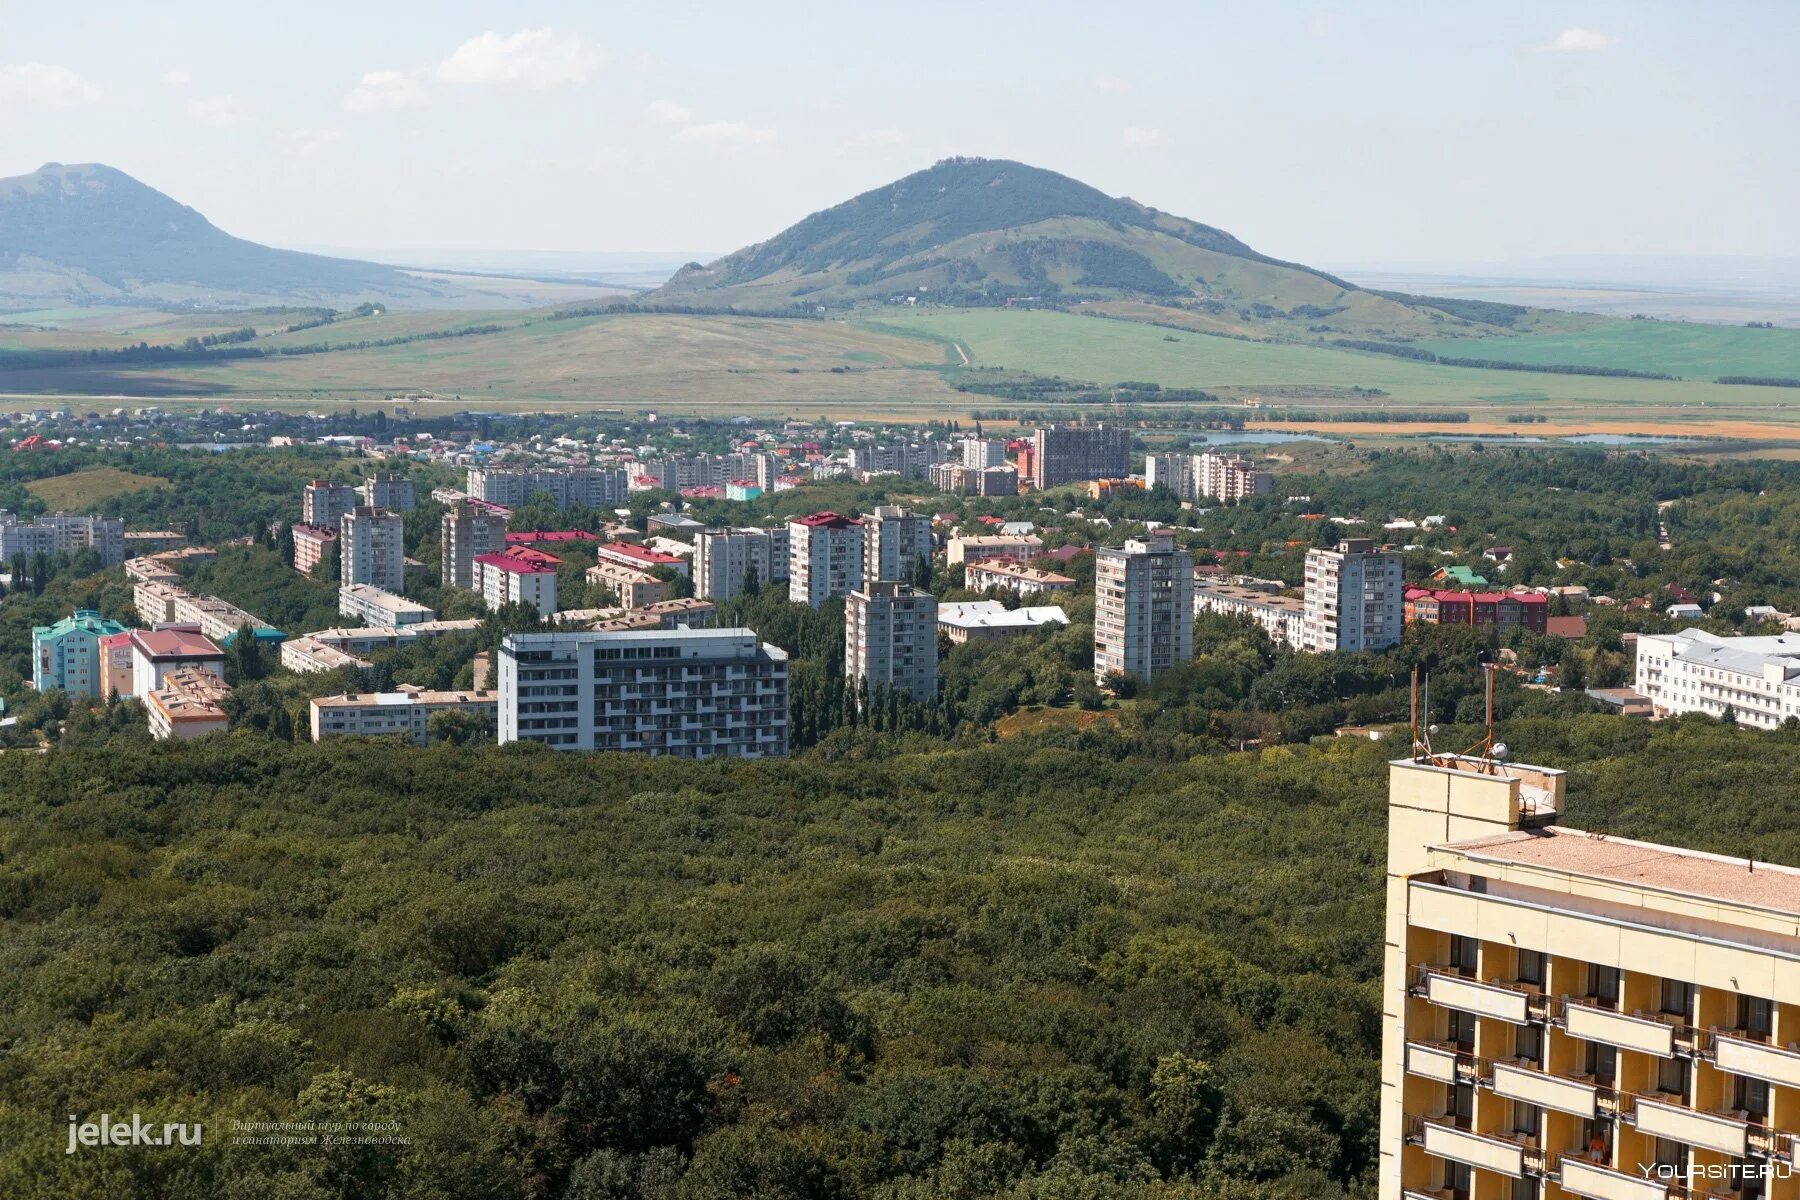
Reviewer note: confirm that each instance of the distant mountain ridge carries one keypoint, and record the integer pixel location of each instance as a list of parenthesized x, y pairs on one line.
[(89, 233)]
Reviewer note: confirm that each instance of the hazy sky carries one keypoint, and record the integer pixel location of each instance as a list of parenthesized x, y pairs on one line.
[(1427, 133)]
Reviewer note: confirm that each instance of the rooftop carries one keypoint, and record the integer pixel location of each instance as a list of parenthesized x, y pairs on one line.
[(1244, 595), (826, 520), (1016, 570), (991, 614), (1744, 655), (641, 554), (403, 698), (175, 642), (527, 537)]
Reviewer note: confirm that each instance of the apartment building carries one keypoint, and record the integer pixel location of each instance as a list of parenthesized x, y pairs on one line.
[(139, 542), (60, 532), (162, 602), (723, 559), (979, 620), (635, 588), (895, 541), (465, 531), (1570, 1014), (1174, 471), (158, 653), (910, 460), (1355, 599), (1283, 618), (372, 549), (311, 543), (324, 503), (683, 611), (692, 693), (188, 704), (640, 558), (1756, 678), (1075, 453), (978, 454), (1143, 607), (1021, 547), (1501, 611), (592, 487), (367, 638), (405, 713), (825, 557), (890, 638), (67, 654), (309, 655), (981, 574), (387, 490), (1229, 478), (519, 575), (374, 606), (115, 665)]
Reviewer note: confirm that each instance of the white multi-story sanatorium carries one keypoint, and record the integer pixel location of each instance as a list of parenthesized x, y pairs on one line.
[(1355, 597), (372, 549), (1143, 607), (724, 557), (1757, 678), (890, 638), (825, 557), (691, 693), (894, 540)]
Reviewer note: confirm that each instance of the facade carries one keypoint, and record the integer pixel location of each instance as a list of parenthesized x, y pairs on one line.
[(309, 655), (189, 704), (724, 557), (635, 588), (464, 531), (909, 459), (1000, 480), (405, 713), (978, 547), (1355, 599), (1567, 1014), (1143, 608), (825, 557), (890, 638), (1283, 618), (981, 574), (324, 503), (978, 454), (372, 549), (67, 655), (894, 542), (1075, 453), (310, 544), (1756, 678), (387, 490), (115, 665), (1174, 471), (1229, 478), (592, 487), (640, 558), (1498, 610), (159, 601), (373, 606), (152, 541), (158, 653), (691, 693), (520, 575), (976, 620), (61, 532), (363, 639)]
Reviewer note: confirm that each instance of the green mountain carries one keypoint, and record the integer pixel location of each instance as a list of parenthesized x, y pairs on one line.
[(975, 231), (90, 234)]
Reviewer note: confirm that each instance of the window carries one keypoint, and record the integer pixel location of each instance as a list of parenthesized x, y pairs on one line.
[(1464, 952), (1753, 1098), (1458, 1179), (1525, 1188), (1669, 1154), (1531, 967), (1462, 1029), (1754, 1017), (1527, 1118), (1528, 1043), (1672, 1076), (1462, 1104), (1602, 1063), (1603, 985), (1677, 997)]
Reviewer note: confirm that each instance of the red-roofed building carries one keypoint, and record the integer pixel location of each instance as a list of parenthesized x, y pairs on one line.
[(1502, 610), (518, 575), (704, 492), (825, 557), (156, 653), (640, 558), (534, 537)]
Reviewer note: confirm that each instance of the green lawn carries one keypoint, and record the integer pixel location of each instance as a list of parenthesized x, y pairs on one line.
[(1668, 347)]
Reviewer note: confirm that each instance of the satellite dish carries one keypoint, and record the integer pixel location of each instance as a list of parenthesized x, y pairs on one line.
[(1499, 752), (1431, 729)]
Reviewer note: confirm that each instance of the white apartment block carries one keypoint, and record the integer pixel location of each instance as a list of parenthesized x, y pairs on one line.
[(55, 533), (825, 557), (890, 638), (1143, 608), (988, 573), (592, 487), (1283, 618), (1757, 678), (1209, 475), (308, 655), (465, 531), (691, 693), (510, 578), (1355, 597), (372, 549), (392, 492), (405, 713), (975, 547), (1174, 471), (723, 557), (374, 606), (323, 503), (978, 454), (894, 540), (363, 639)]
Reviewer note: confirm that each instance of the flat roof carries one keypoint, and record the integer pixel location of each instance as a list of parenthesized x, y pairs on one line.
[(991, 614), (1664, 868), (175, 643)]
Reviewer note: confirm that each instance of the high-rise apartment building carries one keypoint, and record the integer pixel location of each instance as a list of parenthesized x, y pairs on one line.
[(324, 503), (60, 532), (1569, 1014), (894, 541), (978, 454), (1143, 607), (692, 693), (1229, 478), (825, 557), (518, 575), (311, 544), (1073, 453), (890, 638), (1174, 471), (384, 489), (372, 549), (592, 487), (723, 559), (1355, 598), (464, 531)]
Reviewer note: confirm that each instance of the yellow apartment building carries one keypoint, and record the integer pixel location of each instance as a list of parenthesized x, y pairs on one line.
[(1567, 1014)]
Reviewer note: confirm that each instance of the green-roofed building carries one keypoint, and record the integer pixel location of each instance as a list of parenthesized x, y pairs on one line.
[(1461, 576), (66, 655)]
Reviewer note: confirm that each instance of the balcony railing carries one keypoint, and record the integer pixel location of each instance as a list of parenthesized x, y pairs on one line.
[(1516, 1003), (1646, 1033), (1489, 1151), (1726, 1133), (1531, 1084), (1745, 1056), (1594, 1182)]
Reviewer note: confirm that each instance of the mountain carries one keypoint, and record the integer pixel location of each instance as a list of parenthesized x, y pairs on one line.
[(90, 234), (982, 231)]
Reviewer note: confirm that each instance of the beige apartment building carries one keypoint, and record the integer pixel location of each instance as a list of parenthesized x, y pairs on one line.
[(1567, 1014)]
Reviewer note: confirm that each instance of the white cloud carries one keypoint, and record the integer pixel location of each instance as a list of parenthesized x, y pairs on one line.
[(1112, 83), (670, 113), (307, 142), (45, 85), (1138, 135), (1581, 41), (538, 58), (178, 79), (875, 138), (379, 90), (726, 133), (221, 112)]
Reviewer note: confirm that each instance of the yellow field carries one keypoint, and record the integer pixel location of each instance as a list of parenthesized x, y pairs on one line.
[(81, 488)]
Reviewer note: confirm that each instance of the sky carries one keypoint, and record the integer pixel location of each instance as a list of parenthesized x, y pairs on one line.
[(1419, 134)]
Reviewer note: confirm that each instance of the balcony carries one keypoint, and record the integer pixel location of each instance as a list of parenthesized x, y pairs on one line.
[(1532, 1085), (1629, 1031), (1711, 1131), (1514, 1003), (1433, 1060), (1594, 1182), (1742, 1056), (1488, 1151)]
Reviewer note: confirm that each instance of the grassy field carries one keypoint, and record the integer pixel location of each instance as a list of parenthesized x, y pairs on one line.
[(1668, 347), (82, 488)]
